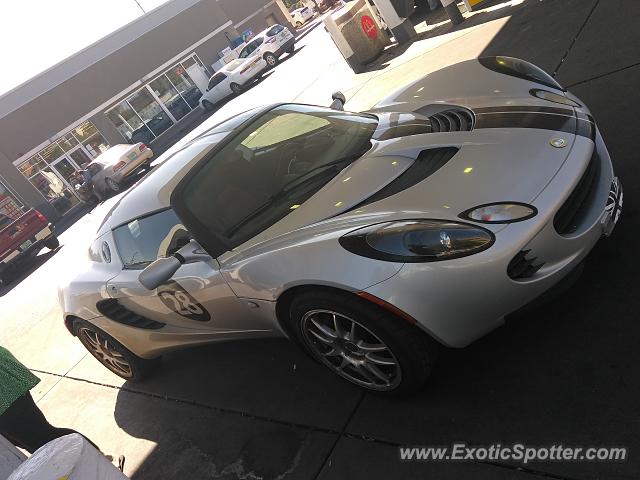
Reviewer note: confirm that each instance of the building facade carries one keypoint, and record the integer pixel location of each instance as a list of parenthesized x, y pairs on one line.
[(134, 85)]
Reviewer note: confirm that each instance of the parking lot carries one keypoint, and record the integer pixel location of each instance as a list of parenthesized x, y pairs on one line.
[(564, 373)]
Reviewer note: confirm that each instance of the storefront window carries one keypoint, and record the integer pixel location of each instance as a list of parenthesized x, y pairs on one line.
[(150, 112), (185, 85), (51, 153), (170, 97), (126, 120), (10, 206), (52, 169)]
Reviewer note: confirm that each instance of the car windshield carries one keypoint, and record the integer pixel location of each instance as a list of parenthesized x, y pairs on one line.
[(271, 168)]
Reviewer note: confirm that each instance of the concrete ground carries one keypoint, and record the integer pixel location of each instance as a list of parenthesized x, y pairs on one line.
[(564, 373)]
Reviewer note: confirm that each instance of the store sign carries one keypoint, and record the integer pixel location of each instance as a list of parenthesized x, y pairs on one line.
[(369, 27)]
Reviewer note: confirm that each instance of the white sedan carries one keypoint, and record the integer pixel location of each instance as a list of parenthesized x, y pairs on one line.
[(117, 164), (301, 16), (230, 80)]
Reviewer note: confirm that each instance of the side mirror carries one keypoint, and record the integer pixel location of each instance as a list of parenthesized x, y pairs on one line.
[(163, 269), (338, 101)]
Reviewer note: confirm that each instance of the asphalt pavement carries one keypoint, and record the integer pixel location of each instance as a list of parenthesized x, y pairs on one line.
[(565, 373)]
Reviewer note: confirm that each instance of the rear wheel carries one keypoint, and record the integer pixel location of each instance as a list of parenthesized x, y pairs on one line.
[(111, 353), (298, 24), (208, 106), (271, 59), (52, 243), (113, 185), (235, 88), (363, 343)]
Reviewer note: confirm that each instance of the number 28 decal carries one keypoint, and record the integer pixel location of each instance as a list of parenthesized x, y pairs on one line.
[(178, 300)]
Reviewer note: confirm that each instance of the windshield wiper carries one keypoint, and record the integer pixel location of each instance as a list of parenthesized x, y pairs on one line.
[(292, 185)]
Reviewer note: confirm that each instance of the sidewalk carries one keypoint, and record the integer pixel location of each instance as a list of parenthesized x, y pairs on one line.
[(263, 410)]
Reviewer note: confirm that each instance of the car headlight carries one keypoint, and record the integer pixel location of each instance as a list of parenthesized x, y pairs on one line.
[(412, 241), (507, 212)]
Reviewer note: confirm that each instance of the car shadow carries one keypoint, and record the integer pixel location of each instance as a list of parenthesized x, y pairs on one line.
[(221, 403), (25, 268)]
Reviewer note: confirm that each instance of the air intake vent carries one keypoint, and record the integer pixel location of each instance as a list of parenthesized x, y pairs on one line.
[(427, 163), (452, 120), (112, 309), (521, 267), (572, 213)]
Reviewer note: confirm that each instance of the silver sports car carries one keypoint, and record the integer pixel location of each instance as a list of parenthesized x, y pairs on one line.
[(370, 239)]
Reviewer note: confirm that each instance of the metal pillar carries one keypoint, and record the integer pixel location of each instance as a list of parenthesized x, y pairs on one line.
[(402, 28), (451, 7)]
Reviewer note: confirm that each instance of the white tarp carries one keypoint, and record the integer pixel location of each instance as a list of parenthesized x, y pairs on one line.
[(67, 458)]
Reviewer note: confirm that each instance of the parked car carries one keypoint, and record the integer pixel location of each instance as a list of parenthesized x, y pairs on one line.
[(120, 162), (22, 238), (231, 80), (270, 45), (324, 5), (301, 16), (367, 238)]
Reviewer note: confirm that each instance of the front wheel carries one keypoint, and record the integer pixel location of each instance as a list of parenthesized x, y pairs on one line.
[(208, 106), (113, 185), (363, 343), (271, 60), (111, 353), (52, 243)]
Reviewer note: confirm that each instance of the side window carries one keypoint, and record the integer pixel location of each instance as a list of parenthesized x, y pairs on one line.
[(146, 239), (276, 29), (215, 80)]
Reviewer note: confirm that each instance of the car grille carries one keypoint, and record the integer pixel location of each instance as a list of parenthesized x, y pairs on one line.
[(523, 267), (572, 213), (453, 120), (112, 309)]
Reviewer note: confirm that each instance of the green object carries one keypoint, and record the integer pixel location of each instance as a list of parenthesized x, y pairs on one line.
[(15, 379)]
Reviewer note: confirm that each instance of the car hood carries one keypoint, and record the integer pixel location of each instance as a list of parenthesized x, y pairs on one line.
[(491, 165)]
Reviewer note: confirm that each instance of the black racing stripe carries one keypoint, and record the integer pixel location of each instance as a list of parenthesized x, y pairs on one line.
[(558, 123), (524, 108)]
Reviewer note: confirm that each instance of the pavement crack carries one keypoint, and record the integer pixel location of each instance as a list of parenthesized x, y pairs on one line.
[(584, 24), (597, 77), (327, 458)]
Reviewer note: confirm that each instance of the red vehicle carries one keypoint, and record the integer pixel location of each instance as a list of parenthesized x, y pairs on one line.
[(22, 238)]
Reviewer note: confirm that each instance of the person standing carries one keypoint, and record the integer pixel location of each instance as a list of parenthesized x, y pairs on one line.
[(21, 421)]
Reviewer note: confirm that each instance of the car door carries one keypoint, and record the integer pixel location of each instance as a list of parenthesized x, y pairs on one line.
[(197, 297)]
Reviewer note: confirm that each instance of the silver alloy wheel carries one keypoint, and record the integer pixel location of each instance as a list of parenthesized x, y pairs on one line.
[(271, 60), (351, 350), (101, 348), (112, 184)]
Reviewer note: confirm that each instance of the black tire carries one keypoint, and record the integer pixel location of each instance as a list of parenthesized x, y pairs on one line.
[(52, 243), (291, 50), (271, 59), (298, 24), (112, 185), (208, 106), (139, 367), (414, 351), (235, 88)]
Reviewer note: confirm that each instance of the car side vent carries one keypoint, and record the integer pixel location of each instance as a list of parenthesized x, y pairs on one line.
[(453, 120), (522, 267), (427, 163), (112, 309), (575, 208)]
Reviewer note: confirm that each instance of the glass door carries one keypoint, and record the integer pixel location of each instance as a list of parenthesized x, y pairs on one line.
[(79, 158), (66, 170)]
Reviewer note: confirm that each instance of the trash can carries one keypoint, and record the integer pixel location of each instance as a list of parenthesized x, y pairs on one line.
[(356, 34)]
